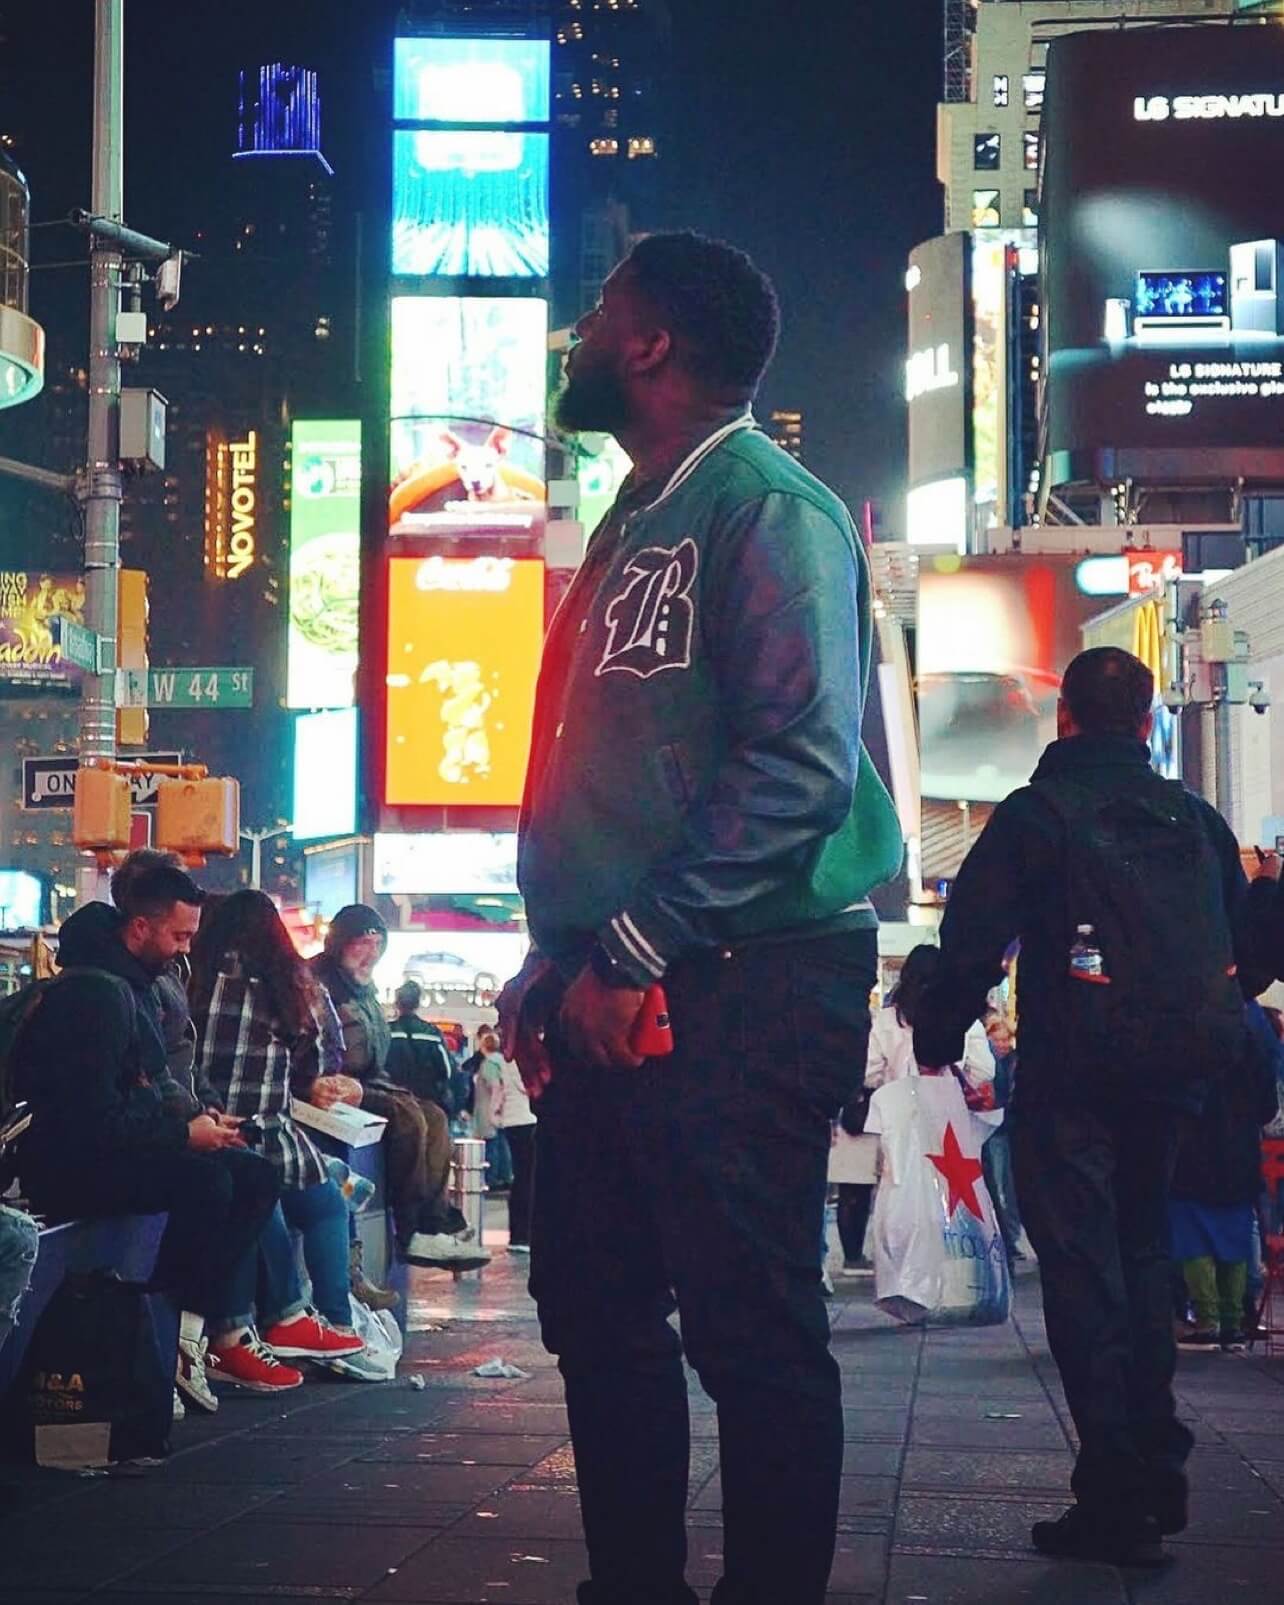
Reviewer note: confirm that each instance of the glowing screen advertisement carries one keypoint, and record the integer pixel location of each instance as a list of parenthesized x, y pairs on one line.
[(445, 862), (325, 774), (464, 643), (468, 390), (325, 563), (469, 204), (994, 637), (471, 80), (1164, 244)]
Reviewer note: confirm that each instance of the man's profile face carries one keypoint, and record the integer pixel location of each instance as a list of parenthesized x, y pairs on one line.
[(595, 392), (156, 941)]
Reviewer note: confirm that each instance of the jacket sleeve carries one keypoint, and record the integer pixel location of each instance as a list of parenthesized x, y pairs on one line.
[(82, 1047), (782, 601), (982, 918)]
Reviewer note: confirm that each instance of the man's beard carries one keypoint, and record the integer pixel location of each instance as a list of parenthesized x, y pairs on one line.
[(592, 398)]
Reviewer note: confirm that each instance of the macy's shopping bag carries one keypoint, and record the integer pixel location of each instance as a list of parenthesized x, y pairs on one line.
[(938, 1254)]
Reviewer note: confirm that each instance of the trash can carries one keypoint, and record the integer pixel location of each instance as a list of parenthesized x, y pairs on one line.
[(468, 1184)]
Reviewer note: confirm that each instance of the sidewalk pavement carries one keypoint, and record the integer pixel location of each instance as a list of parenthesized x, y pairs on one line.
[(463, 1491)]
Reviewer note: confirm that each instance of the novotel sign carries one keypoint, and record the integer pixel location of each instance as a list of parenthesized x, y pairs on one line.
[(244, 459), (1205, 108)]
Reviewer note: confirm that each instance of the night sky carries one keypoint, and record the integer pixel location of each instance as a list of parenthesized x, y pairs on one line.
[(802, 130)]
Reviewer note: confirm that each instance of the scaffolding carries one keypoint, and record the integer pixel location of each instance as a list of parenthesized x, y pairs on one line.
[(960, 24)]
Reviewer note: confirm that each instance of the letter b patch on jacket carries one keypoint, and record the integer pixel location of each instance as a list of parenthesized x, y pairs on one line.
[(651, 621)]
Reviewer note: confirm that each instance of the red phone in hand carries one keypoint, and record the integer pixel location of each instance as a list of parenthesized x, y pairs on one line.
[(652, 1033)]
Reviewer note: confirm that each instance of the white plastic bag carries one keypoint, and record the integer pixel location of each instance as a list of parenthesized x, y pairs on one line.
[(939, 1257), (382, 1337)]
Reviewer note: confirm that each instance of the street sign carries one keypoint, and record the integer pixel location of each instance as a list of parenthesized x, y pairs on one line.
[(51, 782), (200, 688), (79, 646)]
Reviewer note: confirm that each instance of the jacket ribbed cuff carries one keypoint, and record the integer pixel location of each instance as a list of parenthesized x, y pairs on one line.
[(633, 954)]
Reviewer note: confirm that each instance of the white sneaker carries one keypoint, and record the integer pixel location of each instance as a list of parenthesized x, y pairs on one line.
[(826, 1284), (191, 1378), (457, 1251), (180, 1414)]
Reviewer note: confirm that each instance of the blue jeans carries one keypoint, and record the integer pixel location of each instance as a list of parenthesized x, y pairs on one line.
[(320, 1215), (499, 1161), (19, 1237), (996, 1157)]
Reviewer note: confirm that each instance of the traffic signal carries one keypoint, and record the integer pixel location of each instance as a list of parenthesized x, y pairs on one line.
[(131, 649), (196, 817), (100, 812)]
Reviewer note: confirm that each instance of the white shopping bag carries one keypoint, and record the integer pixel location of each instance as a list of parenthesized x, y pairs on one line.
[(938, 1253)]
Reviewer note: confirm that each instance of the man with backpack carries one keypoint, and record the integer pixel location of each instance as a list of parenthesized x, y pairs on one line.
[(88, 1056), (1124, 890)]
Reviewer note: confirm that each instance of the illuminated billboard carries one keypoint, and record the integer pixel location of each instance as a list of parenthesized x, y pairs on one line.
[(994, 637), (470, 204), (325, 774), (30, 601), (938, 380), (1163, 254), (601, 467), (468, 392), (475, 80), (464, 643), (443, 863), (325, 563)]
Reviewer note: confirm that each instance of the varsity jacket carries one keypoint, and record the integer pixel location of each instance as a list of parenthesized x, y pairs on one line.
[(697, 775)]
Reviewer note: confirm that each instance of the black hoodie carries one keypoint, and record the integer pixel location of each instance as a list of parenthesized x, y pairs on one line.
[(92, 1062)]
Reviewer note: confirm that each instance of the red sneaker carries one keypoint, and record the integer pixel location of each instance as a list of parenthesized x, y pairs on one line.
[(249, 1364), (310, 1336)]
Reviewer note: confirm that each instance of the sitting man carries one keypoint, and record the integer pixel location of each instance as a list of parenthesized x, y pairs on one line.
[(417, 1142), (90, 1060)]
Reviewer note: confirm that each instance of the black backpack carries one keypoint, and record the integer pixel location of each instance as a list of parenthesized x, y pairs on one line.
[(1141, 869)]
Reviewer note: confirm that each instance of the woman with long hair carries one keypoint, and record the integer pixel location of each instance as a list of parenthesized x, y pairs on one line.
[(854, 1155), (255, 1007)]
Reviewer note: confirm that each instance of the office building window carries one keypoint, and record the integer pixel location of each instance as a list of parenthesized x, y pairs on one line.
[(1030, 145), (1000, 89), (1030, 210), (986, 152), (985, 208), (1032, 86)]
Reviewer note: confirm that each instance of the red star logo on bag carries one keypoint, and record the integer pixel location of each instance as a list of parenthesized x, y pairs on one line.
[(961, 1174)]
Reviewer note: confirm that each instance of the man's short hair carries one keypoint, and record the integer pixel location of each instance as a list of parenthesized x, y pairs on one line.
[(409, 996), (154, 890), (722, 309), (1108, 692), (135, 864)]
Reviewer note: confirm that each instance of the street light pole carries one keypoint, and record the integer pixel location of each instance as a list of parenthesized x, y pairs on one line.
[(102, 467), (256, 838)]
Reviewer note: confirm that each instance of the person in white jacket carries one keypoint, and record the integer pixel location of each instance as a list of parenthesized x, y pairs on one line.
[(853, 1158), (516, 1119)]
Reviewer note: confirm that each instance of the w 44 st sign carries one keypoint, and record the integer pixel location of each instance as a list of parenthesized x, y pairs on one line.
[(204, 689)]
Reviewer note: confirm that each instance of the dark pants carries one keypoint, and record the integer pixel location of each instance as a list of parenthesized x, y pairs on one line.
[(416, 1148), (521, 1145), (854, 1200), (217, 1204), (699, 1181), (996, 1158), (1093, 1189)]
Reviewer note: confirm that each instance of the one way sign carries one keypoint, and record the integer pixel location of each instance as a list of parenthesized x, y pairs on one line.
[(51, 782)]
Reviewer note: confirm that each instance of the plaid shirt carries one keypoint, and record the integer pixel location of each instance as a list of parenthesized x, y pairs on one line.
[(254, 1070)]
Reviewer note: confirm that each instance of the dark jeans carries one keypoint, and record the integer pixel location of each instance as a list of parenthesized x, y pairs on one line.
[(854, 1200), (416, 1151), (698, 1182), (1093, 1187), (521, 1145), (217, 1205), (996, 1158)]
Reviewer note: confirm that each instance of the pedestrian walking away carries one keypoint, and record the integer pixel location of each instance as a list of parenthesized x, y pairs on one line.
[(1125, 891), (700, 813)]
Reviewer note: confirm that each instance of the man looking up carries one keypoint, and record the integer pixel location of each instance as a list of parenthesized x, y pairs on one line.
[(699, 811), (91, 1062), (1124, 890)]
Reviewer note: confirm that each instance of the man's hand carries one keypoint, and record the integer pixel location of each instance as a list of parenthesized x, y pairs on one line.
[(597, 1020), (225, 1121), (510, 1001), (207, 1136), (329, 1090), (1268, 866)]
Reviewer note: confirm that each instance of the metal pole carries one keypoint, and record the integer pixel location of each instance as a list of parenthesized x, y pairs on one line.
[(102, 465), (1223, 735), (256, 862)]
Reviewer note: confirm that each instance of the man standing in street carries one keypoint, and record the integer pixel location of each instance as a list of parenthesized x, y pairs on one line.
[(1124, 890), (699, 812)]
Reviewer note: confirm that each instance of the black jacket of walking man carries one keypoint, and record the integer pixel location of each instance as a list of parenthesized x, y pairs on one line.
[(1093, 1154), (106, 1137), (699, 811)]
